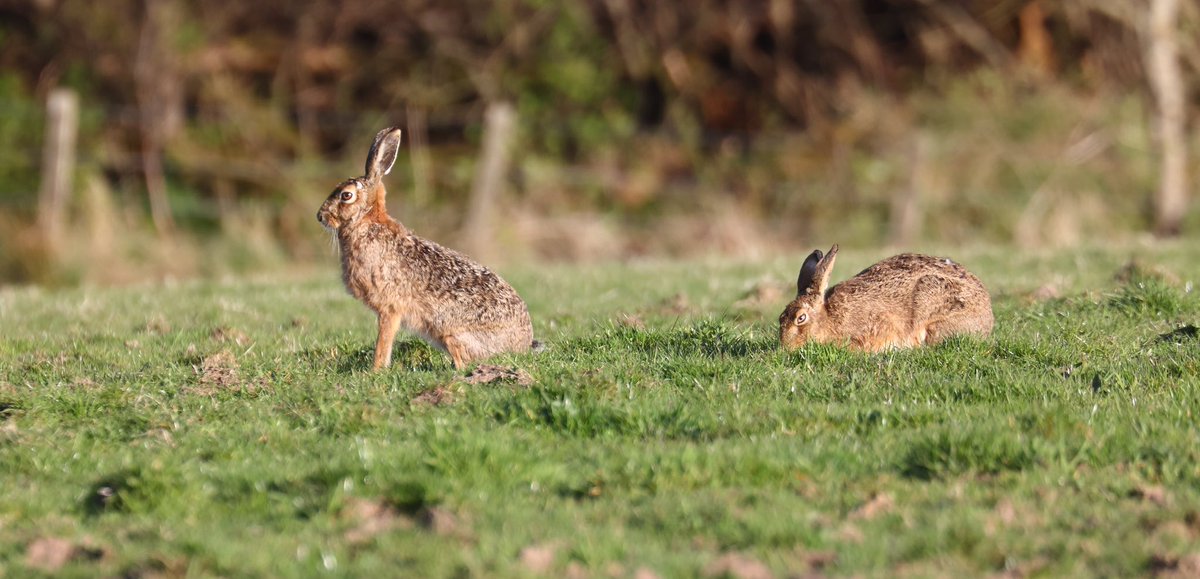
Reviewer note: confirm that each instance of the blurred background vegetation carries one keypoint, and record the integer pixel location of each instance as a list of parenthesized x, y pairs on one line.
[(209, 131)]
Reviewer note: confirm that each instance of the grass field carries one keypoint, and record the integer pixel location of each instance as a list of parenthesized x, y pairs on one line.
[(231, 428)]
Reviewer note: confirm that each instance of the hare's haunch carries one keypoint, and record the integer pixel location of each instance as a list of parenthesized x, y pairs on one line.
[(903, 301), (409, 282)]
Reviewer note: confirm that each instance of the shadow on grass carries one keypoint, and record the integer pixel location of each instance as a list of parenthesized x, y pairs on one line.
[(412, 354), (583, 414), (1145, 294), (128, 490), (707, 338), (933, 357), (947, 452), (304, 495)]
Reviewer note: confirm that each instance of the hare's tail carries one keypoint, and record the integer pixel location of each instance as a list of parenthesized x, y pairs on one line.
[(537, 346)]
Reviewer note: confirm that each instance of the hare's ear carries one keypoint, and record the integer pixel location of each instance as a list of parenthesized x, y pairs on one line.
[(808, 271), (824, 268), (383, 154), (814, 274)]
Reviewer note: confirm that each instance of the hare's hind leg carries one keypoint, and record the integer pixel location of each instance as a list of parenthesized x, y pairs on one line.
[(945, 307), (389, 324), (958, 323), (458, 351), (469, 346)]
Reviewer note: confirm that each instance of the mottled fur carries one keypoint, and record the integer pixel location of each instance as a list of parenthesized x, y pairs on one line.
[(903, 301), (436, 293)]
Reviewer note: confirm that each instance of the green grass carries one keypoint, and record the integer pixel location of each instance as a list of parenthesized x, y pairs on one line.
[(230, 428)]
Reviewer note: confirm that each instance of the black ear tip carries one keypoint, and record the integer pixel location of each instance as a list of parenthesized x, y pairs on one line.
[(387, 133), (816, 255)]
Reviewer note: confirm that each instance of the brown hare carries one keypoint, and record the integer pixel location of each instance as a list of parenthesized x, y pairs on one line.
[(455, 304), (903, 301)]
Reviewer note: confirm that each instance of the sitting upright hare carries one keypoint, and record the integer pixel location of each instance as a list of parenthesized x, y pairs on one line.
[(441, 295), (903, 301)]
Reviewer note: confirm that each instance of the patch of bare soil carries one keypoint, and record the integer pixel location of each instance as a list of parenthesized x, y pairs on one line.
[(9, 431), (1135, 269), (676, 305), (157, 567), (539, 559), (157, 325), (738, 566), (225, 334), (217, 372), (445, 523), (370, 518), (1155, 494), (1170, 567), (632, 321), (879, 504), (645, 573), (490, 374), (851, 533), (221, 372), (439, 396), (1045, 292), (52, 553), (1180, 335), (85, 383)]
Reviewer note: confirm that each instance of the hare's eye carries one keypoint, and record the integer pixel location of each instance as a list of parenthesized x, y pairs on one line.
[(347, 196), (800, 319)]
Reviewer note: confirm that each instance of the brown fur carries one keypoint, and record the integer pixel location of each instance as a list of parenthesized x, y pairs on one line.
[(906, 300), (436, 293)]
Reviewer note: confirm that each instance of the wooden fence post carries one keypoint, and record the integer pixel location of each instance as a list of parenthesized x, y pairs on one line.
[(157, 89), (905, 216), (1169, 93), (418, 137), (499, 128), (58, 164)]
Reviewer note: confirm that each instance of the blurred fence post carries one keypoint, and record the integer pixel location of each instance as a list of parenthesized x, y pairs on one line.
[(418, 138), (156, 88), (499, 128), (58, 163), (1036, 46), (1167, 84), (906, 203)]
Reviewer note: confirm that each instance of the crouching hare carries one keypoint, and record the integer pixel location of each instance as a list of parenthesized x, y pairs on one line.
[(455, 304), (903, 301)]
